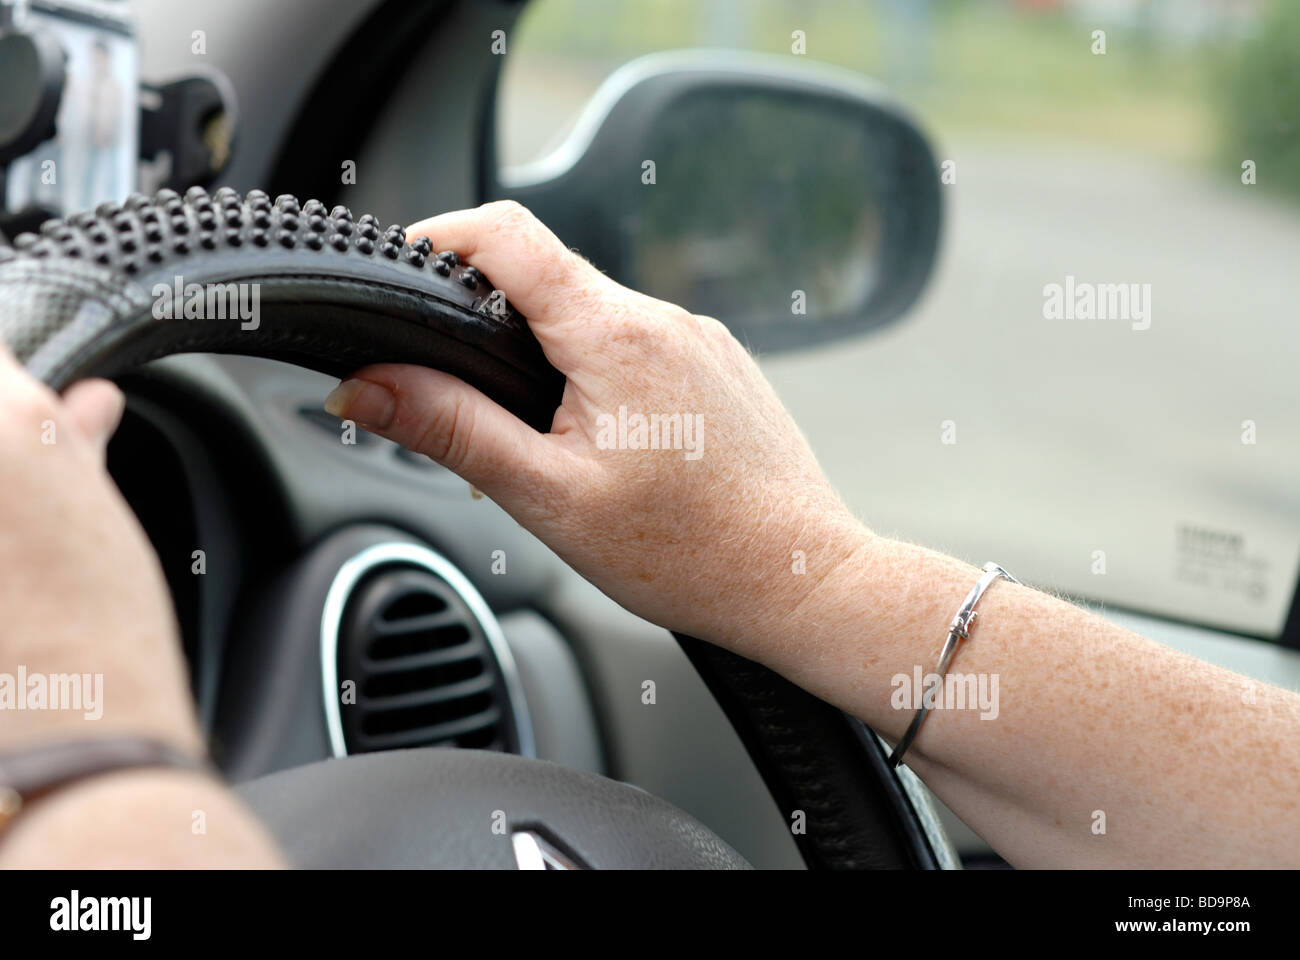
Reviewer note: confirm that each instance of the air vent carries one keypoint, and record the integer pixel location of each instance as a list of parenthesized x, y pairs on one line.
[(426, 659)]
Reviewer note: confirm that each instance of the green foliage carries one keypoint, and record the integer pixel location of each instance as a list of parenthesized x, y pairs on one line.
[(1261, 105)]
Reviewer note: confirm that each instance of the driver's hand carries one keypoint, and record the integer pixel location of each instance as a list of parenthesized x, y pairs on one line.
[(80, 587), (711, 539)]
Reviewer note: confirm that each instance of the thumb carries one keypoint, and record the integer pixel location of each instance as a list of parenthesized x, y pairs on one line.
[(449, 421), (95, 409)]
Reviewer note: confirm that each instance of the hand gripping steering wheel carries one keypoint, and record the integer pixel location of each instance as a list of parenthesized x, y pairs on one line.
[(97, 294)]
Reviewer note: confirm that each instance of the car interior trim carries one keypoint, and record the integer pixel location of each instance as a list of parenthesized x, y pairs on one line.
[(394, 553)]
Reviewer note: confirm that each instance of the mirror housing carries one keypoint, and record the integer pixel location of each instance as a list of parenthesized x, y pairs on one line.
[(797, 203)]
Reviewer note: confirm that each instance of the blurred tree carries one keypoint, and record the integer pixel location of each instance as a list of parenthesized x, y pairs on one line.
[(1262, 101)]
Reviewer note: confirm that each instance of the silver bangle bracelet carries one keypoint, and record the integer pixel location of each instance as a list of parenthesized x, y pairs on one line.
[(958, 631)]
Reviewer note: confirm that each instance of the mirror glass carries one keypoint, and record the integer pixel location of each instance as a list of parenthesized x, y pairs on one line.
[(759, 205)]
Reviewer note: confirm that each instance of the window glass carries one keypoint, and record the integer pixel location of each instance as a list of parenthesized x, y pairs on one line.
[(1099, 388)]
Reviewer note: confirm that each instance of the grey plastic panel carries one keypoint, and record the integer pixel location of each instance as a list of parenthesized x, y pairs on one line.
[(682, 747), (564, 722)]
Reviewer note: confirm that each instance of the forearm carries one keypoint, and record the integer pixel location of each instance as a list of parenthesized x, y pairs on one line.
[(139, 818), (1188, 764), (146, 817)]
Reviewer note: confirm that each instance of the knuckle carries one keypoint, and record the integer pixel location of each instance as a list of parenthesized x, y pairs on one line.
[(508, 214), (718, 332), (713, 326), (630, 325), (446, 433)]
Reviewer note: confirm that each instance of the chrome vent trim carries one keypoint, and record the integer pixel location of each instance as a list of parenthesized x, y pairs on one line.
[(397, 553)]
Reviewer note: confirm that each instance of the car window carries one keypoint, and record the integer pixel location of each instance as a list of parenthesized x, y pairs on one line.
[(1098, 389)]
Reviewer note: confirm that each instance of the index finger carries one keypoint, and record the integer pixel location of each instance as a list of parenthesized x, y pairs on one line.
[(542, 277)]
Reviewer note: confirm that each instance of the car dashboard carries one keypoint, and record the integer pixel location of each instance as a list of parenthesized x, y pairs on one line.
[(256, 500)]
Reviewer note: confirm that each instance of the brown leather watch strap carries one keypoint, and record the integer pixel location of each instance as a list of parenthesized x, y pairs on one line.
[(26, 775)]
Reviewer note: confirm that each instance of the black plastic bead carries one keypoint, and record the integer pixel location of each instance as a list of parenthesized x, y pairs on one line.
[(424, 245), (318, 223), (153, 233), (124, 223), (390, 250), (155, 254), (129, 265), (260, 238), (234, 218), (180, 225), (469, 280), (338, 241), (344, 227), (261, 219), (257, 196), (195, 194), (340, 213), (443, 267), (127, 242), (165, 196), (286, 238), (415, 256), (368, 218), (234, 238), (207, 241), (181, 245), (450, 257), (103, 257), (314, 241), (107, 210), (368, 231), (289, 222), (365, 245)]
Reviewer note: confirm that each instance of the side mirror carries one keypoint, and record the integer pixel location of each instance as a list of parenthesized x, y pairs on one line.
[(796, 203)]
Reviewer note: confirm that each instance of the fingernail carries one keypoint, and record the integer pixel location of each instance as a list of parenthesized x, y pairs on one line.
[(369, 404)]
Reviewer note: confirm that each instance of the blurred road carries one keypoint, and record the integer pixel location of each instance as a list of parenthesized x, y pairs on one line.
[(1075, 436)]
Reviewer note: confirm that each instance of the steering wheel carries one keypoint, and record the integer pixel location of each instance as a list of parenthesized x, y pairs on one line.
[(99, 293)]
